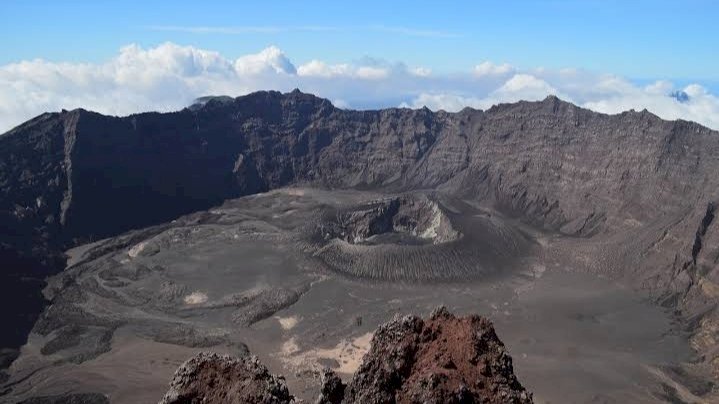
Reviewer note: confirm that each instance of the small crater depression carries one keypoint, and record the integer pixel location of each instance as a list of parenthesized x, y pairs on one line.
[(399, 220)]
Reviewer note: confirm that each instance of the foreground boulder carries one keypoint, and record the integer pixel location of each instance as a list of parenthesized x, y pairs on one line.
[(211, 378), (444, 359)]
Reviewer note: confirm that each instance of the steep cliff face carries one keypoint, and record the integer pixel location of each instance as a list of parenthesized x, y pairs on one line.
[(639, 187), (32, 185)]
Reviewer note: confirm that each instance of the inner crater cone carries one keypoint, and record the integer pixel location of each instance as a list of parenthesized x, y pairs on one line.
[(416, 237)]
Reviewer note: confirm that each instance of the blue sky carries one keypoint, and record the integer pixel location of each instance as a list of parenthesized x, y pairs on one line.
[(131, 56), (639, 39)]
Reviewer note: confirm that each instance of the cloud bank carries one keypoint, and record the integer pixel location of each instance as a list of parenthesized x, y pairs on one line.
[(168, 77)]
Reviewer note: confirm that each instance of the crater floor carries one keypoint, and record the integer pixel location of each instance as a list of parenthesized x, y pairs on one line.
[(302, 277)]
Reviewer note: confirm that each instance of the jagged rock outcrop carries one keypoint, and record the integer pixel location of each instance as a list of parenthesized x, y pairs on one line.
[(444, 359), (635, 185), (214, 379), (332, 390)]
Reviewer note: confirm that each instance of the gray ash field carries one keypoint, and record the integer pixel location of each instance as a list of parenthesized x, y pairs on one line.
[(301, 277)]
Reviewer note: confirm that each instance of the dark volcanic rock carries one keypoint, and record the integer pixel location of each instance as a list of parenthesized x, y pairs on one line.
[(444, 359), (265, 304), (332, 390), (214, 379)]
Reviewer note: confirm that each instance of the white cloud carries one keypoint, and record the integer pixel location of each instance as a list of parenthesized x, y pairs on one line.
[(340, 103), (695, 90), (522, 82), (525, 87), (372, 73), (701, 106), (490, 69), (317, 68), (270, 59), (446, 102), (660, 87), (518, 87), (168, 77)]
